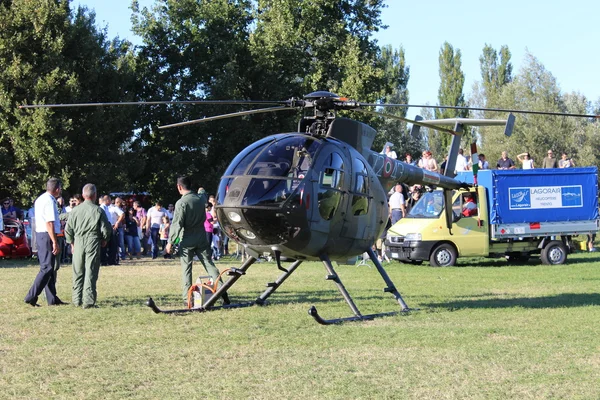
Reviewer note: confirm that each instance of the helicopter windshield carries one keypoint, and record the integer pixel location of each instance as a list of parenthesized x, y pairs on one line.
[(429, 206), (277, 169), (279, 163), (288, 157)]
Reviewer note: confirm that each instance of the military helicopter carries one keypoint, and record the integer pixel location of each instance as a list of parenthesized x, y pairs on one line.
[(318, 194)]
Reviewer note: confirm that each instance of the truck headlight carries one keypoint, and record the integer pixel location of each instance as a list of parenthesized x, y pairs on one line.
[(412, 237), (394, 238)]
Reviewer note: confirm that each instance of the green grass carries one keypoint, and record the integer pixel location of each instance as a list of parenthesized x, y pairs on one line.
[(485, 330)]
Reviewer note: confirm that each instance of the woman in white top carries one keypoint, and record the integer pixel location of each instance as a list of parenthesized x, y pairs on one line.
[(428, 162), (526, 160)]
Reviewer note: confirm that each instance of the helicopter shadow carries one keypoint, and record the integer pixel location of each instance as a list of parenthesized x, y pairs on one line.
[(281, 297), (565, 300)]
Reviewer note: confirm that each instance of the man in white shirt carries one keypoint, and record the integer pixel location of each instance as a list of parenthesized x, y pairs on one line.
[(396, 203), (154, 219), (104, 251), (47, 227), (115, 216), (461, 162), (118, 221)]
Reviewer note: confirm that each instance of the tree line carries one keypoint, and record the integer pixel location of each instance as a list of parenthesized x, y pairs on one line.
[(229, 49)]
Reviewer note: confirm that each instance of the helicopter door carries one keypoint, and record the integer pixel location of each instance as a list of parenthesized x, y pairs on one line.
[(331, 180), (356, 224)]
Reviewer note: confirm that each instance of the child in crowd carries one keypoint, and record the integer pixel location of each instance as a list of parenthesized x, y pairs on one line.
[(163, 232), (216, 244)]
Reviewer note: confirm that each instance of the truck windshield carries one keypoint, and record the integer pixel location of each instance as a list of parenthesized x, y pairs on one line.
[(429, 206)]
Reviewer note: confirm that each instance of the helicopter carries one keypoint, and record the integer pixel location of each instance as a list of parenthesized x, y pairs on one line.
[(317, 194)]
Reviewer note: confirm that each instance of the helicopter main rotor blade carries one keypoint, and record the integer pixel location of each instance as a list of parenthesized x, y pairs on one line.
[(150, 103), (418, 123), (223, 116), (559, 114)]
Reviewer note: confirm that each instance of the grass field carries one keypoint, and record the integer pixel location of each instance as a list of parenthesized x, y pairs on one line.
[(485, 330)]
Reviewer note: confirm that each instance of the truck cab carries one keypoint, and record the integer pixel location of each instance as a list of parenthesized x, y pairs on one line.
[(423, 234)]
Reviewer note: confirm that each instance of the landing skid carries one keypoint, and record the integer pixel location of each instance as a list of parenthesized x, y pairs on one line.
[(315, 314), (234, 275), (150, 303), (390, 288)]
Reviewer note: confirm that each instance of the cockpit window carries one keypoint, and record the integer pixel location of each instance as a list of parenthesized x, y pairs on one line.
[(330, 182), (241, 162), (361, 176), (285, 157), (360, 199), (333, 171), (267, 192)]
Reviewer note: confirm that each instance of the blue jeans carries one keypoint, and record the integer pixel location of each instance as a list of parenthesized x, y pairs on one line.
[(155, 241), (396, 215), (133, 244), (122, 242)]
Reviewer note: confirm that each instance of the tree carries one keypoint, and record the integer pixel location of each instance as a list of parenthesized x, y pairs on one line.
[(50, 55), (263, 50), (534, 88), (450, 92), (494, 73), (392, 130)]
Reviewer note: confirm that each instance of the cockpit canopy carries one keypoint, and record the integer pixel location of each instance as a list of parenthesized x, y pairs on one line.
[(277, 165)]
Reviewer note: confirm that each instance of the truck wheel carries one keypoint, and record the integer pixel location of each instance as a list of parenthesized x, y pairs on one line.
[(555, 253), (443, 255)]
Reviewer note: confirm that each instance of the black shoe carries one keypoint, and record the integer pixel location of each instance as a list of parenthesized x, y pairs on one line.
[(32, 304), (225, 298), (58, 303), (87, 306)]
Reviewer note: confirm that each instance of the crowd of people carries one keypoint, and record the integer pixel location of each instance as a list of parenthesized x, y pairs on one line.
[(90, 235)]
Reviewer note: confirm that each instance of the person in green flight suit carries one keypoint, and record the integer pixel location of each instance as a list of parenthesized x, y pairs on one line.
[(87, 230), (187, 230)]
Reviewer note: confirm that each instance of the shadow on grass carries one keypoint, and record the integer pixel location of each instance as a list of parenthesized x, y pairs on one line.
[(19, 263), (534, 261), (558, 301), (280, 297)]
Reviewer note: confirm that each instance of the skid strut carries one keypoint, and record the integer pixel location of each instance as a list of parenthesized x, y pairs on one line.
[(234, 275), (273, 286), (357, 315)]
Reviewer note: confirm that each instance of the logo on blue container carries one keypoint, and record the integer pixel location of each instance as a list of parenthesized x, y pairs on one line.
[(571, 196), (519, 198)]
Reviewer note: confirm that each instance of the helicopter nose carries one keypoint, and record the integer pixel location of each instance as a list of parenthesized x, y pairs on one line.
[(264, 226)]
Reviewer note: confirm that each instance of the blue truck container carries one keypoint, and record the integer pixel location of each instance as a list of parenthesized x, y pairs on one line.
[(539, 195)]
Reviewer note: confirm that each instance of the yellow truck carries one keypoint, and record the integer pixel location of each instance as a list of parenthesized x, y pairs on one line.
[(517, 214)]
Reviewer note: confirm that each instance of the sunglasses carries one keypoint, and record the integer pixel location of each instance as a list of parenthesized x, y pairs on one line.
[(7, 203)]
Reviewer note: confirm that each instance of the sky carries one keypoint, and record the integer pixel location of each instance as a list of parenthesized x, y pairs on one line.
[(562, 35)]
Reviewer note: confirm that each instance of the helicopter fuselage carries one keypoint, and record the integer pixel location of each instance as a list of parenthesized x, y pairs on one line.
[(302, 196)]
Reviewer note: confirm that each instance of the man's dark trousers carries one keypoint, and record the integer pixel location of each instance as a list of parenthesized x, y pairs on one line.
[(46, 278)]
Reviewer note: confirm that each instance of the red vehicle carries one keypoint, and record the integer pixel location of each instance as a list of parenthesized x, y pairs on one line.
[(13, 240)]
